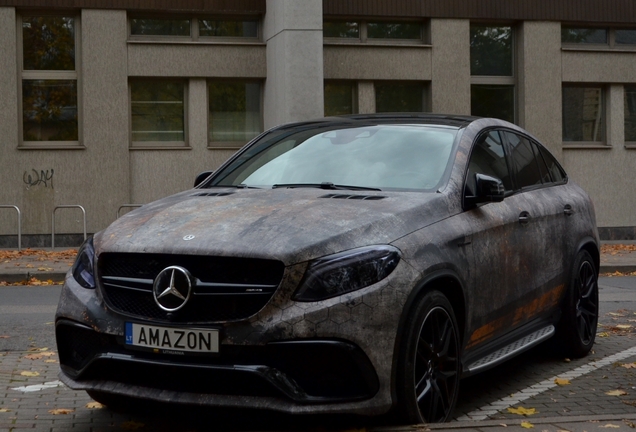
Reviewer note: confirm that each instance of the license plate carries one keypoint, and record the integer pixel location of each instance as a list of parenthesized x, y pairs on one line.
[(172, 339)]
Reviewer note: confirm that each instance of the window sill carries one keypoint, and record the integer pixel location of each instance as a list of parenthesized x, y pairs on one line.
[(192, 42), (599, 49), (158, 147), (630, 146), (379, 44), (583, 146), (51, 147)]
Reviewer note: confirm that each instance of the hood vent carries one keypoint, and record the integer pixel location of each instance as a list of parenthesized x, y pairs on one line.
[(354, 197), (214, 194)]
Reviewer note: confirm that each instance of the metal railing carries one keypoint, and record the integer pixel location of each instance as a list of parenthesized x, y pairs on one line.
[(126, 206), (19, 223), (53, 221)]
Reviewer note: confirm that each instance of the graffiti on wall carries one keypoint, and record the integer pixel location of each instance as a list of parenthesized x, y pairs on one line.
[(41, 178)]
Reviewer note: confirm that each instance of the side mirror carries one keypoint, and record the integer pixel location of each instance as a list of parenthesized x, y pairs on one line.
[(488, 189), (201, 177)]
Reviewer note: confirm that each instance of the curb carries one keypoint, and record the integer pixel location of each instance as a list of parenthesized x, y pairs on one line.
[(55, 276), (613, 268)]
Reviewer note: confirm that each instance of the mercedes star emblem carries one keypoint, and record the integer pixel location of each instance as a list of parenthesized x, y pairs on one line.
[(188, 237), (172, 288)]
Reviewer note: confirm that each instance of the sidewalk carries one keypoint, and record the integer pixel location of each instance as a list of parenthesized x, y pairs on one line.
[(47, 265)]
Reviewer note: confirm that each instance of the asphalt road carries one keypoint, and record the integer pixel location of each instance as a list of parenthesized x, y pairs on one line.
[(26, 315)]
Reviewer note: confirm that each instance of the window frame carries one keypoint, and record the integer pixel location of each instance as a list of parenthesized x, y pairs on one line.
[(49, 75), (159, 145), (363, 38), (628, 143), (232, 145), (604, 142), (609, 45), (194, 36), (501, 80)]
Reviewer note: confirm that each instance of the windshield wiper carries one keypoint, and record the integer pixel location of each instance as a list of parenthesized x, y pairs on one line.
[(323, 185)]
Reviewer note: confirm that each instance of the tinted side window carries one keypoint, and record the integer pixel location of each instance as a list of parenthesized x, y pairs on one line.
[(556, 172), (488, 158), (543, 169), (524, 161)]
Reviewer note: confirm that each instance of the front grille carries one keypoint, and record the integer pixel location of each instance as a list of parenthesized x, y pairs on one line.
[(226, 289)]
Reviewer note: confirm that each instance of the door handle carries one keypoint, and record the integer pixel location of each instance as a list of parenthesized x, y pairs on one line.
[(524, 217), (568, 210)]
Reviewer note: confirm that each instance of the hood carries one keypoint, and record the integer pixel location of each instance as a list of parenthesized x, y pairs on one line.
[(290, 225)]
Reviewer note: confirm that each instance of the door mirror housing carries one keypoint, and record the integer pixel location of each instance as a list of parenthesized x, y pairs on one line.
[(488, 189), (201, 177)]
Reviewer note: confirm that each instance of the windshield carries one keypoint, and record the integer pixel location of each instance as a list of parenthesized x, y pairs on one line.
[(378, 156)]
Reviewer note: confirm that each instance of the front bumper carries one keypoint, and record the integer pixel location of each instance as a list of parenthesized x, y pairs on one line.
[(332, 356)]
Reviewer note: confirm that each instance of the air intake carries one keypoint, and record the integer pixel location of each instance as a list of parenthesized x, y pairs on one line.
[(354, 197)]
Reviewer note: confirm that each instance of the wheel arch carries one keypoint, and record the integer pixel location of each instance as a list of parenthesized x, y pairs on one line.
[(448, 283), (589, 244)]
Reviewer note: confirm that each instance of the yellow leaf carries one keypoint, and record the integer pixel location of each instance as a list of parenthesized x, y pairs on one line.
[(623, 326), (610, 426), (522, 411), (561, 381), (94, 405), (603, 334), (61, 411), (50, 361), (5, 410), (29, 373), (629, 365), (132, 425), (527, 425), (616, 314), (616, 393)]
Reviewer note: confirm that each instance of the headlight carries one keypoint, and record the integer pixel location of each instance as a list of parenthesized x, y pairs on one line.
[(347, 271), (83, 270)]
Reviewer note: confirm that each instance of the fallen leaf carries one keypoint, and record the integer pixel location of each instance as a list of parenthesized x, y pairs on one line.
[(5, 410), (132, 425), (4, 337), (567, 360), (503, 425), (616, 393), (623, 326), (29, 373), (527, 425), (38, 349), (630, 424), (61, 411), (615, 314), (94, 405), (629, 365), (610, 426), (603, 334), (50, 361), (522, 411), (561, 381)]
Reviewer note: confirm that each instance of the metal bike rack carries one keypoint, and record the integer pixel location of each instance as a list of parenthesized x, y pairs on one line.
[(53, 221), (127, 206), (19, 223)]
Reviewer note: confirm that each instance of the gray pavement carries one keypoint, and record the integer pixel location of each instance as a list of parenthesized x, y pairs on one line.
[(600, 392)]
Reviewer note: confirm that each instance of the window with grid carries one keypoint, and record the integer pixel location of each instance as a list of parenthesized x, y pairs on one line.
[(492, 90), (48, 72)]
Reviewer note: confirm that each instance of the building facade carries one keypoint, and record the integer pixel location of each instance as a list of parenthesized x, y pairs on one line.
[(110, 104)]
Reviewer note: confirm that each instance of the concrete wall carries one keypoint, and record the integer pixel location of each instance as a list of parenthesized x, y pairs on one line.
[(292, 63), (294, 86), (95, 175), (450, 86)]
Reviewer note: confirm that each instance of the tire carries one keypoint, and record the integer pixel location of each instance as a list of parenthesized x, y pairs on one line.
[(428, 371), (576, 330)]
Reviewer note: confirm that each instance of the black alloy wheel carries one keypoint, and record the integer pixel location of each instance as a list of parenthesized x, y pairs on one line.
[(429, 369), (577, 329)]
